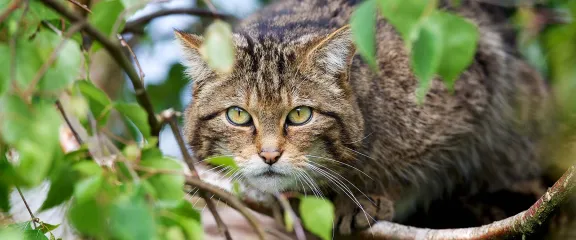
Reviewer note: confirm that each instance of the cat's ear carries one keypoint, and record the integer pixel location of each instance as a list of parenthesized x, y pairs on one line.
[(333, 53), (196, 67)]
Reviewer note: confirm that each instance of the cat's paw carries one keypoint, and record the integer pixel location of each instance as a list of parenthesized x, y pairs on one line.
[(351, 218)]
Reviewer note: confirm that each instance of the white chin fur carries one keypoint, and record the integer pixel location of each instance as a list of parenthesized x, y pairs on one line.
[(271, 184)]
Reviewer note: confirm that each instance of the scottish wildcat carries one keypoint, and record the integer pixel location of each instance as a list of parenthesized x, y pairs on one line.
[(301, 111)]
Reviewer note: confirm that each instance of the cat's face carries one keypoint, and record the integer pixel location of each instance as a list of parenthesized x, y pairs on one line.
[(286, 113)]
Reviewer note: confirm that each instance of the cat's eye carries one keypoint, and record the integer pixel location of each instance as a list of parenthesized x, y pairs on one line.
[(299, 116), (238, 116)]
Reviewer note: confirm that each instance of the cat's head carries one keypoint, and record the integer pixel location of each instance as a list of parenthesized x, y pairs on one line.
[(285, 112)]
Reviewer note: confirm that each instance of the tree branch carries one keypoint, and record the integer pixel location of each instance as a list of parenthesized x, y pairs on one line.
[(170, 116), (300, 234), (34, 219), (135, 25), (522, 223), (115, 50), (229, 199), (67, 120)]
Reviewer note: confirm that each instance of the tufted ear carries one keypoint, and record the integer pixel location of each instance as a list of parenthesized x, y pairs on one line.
[(332, 53), (196, 68)]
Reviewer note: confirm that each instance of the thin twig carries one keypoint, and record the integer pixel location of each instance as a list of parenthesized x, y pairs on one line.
[(53, 56), (210, 5), (134, 25), (230, 200), (67, 120), (131, 9), (115, 50), (300, 234), (125, 44), (80, 5), (34, 219), (171, 117), (15, 5), (219, 222)]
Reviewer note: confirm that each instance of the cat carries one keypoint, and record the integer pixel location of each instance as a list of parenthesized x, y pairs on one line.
[(303, 111)]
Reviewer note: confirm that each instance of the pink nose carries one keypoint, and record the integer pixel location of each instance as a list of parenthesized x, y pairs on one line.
[(270, 157)]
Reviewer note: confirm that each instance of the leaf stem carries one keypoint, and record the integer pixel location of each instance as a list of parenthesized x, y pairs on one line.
[(34, 219)]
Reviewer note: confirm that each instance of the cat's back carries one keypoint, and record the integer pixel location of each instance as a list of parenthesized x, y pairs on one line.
[(290, 20)]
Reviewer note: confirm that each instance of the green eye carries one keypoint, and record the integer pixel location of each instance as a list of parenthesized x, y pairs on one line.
[(299, 115), (238, 116)]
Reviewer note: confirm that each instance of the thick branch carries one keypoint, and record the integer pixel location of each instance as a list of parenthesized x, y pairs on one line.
[(229, 199), (115, 50), (137, 24), (522, 223)]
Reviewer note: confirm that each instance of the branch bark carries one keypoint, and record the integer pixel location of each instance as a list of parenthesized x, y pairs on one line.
[(520, 224), (116, 52), (229, 199)]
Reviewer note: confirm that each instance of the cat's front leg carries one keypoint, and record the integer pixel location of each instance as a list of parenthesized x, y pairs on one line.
[(356, 215)]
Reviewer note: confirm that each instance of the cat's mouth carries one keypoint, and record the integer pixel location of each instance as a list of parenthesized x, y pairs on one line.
[(270, 173)]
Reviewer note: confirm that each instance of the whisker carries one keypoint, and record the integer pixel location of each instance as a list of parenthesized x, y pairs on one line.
[(361, 139), (311, 183), (342, 187), (338, 175), (334, 160), (362, 154)]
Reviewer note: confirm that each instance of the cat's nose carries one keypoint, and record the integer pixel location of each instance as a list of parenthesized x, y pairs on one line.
[(270, 156)]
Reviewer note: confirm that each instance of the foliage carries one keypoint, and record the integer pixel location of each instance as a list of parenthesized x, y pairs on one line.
[(440, 43), (317, 216), (114, 184)]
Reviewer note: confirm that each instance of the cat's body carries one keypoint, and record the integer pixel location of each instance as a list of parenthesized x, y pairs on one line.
[(294, 53)]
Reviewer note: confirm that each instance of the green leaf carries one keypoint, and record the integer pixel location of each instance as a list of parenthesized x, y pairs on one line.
[(460, 38), (363, 25), (34, 235), (45, 227), (223, 161), (317, 216), (99, 103), (166, 94), (33, 131), (405, 15), (218, 49), (28, 61), (168, 186), (61, 188), (31, 55), (67, 65), (95, 224), (21, 226), (137, 115), (42, 12), (175, 233), (88, 168), (236, 188), (86, 189), (10, 233), (4, 68), (122, 215), (425, 56), (186, 217), (104, 16)]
